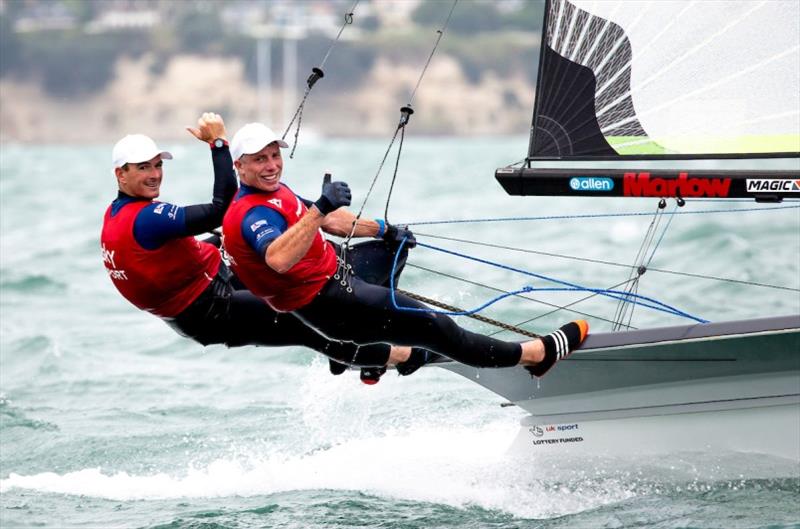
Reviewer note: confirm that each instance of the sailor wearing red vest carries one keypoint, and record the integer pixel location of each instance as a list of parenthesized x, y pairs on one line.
[(276, 246), (154, 260)]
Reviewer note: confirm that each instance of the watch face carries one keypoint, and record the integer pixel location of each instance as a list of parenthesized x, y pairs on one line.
[(218, 143)]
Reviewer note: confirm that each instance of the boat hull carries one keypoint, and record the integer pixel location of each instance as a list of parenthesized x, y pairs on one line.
[(723, 386)]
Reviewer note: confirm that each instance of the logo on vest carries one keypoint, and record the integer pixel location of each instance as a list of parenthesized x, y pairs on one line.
[(257, 224), (276, 202), (111, 266)]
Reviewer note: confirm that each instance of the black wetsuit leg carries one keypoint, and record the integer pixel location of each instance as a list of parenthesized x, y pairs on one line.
[(366, 315), (237, 318)]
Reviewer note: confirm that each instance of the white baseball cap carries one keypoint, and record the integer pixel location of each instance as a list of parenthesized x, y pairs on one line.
[(252, 138), (135, 148)]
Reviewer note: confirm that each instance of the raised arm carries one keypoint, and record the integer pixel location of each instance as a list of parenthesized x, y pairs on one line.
[(200, 218)]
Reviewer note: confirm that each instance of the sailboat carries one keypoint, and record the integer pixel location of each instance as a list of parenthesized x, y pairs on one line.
[(676, 101)]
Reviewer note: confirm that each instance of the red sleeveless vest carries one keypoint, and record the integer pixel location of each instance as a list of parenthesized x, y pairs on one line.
[(297, 286), (163, 281)]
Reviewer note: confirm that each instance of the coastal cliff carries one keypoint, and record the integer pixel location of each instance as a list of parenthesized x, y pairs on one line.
[(161, 99)]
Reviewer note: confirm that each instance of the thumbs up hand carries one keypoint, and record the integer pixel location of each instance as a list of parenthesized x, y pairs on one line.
[(334, 195)]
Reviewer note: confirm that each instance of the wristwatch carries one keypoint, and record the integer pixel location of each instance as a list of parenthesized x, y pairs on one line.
[(219, 142)]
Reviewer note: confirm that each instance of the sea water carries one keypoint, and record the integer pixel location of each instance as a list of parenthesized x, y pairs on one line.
[(109, 419)]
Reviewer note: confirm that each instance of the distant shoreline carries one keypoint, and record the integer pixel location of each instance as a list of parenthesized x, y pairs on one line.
[(161, 104)]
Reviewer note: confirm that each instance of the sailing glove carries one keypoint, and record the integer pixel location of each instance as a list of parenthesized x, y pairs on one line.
[(334, 195), (395, 234)]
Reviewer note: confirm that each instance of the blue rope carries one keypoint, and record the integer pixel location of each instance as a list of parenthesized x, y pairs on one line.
[(569, 287), (593, 216)]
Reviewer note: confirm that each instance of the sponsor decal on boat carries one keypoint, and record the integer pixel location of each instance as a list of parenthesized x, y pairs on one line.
[(764, 185), (591, 183), (550, 434), (641, 185), (558, 441)]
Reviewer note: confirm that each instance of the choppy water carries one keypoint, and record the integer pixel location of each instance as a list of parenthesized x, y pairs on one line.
[(109, 419)]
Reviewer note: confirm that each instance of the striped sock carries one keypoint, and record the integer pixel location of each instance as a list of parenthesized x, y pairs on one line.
[(418, 358), (559, 344)]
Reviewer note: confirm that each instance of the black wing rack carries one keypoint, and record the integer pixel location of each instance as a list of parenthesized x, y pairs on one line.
[(763, 186)]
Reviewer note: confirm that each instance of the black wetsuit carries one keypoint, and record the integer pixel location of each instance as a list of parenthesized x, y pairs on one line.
[(366, 314), (235, 317)]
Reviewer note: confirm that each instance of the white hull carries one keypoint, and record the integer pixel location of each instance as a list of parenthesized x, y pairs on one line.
[(732, 387), (772, 429)]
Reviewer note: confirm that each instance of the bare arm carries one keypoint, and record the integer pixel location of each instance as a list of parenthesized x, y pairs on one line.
[(285, 251), (340, 222)]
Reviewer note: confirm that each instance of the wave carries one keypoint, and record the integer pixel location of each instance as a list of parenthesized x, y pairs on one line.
[(457, 467), (12, 417), (32, 283)]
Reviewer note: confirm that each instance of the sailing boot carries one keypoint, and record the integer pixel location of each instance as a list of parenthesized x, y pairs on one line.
[(337, 368), (418, 358), (372, 375), (559, 344)]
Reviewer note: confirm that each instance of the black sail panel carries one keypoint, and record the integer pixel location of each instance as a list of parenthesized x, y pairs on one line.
[(564, 130)]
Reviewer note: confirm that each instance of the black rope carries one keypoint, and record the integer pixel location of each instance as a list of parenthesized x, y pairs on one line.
[(396, 166), (316, 75), (405, 115)]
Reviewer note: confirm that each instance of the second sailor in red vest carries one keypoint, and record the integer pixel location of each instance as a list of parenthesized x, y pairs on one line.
[(277, 248)]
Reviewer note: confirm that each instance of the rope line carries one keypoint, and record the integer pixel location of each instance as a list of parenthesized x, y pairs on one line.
[(440, 34), (590, 216), (405, 114), (455, 310), (567, 286), (527, 298), (609, 263), (316, 74), (568, 307)]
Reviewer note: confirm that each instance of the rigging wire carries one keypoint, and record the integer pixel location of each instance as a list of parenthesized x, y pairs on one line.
[(555, 306), (625, 309), (609, 263), (316, 74), (591, 216), (405, 115), (568, 307), (566, 286)]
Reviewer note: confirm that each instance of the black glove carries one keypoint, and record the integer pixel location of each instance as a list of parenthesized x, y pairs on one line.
[(334, 195), (395, 235)]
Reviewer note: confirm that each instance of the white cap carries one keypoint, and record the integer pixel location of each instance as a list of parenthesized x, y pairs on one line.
[(252, 138), (135, 148)]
